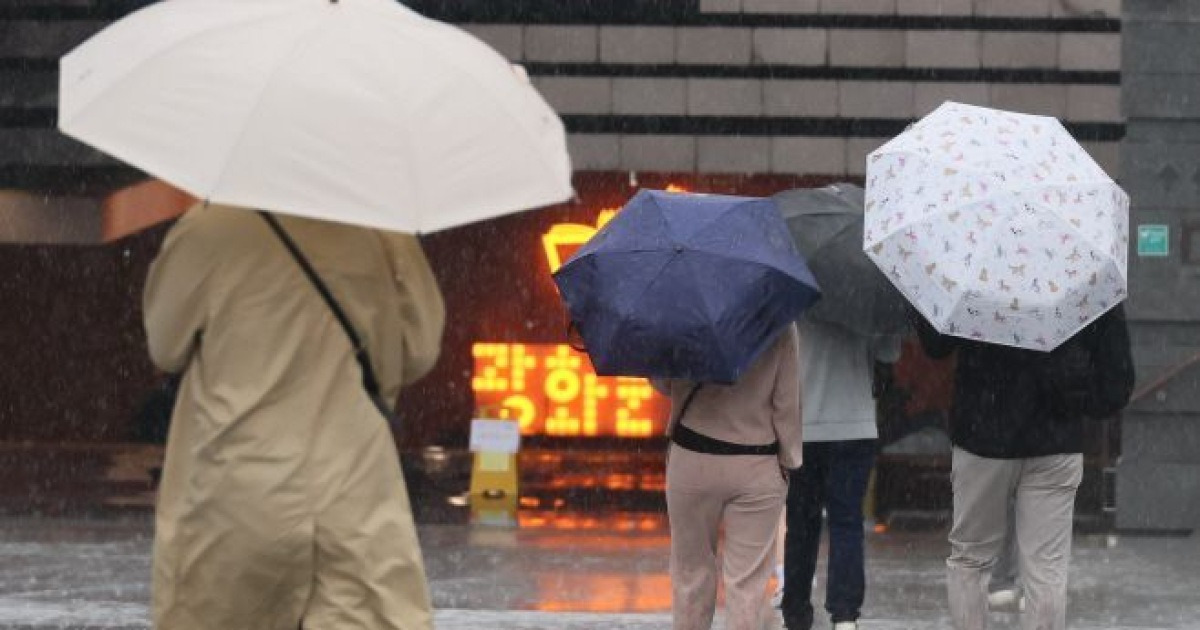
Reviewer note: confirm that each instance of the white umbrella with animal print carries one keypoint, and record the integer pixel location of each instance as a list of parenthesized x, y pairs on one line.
[(997, 226)]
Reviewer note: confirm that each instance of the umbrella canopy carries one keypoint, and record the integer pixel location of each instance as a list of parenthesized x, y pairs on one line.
[(827, 225), (359, 111), (997, 226), (685, 286)]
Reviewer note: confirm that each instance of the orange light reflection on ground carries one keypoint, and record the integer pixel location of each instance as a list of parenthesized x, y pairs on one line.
[(601, 523), (599, 592)]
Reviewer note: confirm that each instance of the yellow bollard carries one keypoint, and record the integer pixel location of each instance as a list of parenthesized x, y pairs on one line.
[(493, 491)]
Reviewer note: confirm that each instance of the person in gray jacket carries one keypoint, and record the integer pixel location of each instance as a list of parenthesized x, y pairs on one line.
[(839, 452)]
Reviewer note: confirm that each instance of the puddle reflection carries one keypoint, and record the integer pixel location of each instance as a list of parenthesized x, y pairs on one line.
[(601, 592)]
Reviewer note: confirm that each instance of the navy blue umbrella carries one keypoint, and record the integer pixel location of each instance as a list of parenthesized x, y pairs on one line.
[(685, 286)]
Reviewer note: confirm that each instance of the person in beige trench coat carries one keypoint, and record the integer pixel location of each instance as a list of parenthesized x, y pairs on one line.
[(710, 485), (282, 504)]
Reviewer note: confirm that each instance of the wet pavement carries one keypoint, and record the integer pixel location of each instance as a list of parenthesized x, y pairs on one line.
[(577, 572)]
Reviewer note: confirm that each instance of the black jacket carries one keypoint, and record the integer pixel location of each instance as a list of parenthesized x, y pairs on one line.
[(1004, 404)]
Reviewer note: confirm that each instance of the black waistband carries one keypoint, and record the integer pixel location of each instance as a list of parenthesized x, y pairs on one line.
[(701, 443)]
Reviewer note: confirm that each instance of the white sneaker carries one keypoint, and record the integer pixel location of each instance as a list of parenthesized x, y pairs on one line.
[(846, 625), (1006, 600), (777, 598)]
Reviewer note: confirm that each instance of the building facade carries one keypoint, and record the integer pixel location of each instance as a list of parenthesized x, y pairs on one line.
[(1158, 477), (733, 96)]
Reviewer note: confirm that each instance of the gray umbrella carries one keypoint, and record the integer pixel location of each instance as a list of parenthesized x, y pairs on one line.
[(827, 225)]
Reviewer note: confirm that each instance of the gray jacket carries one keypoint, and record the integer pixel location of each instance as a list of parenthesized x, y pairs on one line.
[(836, 367)]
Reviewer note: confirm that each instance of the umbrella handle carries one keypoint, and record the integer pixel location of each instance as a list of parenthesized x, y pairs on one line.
[(574, 338)]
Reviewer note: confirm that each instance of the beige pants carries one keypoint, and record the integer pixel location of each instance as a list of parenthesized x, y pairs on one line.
[(1043, 491), (745, 494)]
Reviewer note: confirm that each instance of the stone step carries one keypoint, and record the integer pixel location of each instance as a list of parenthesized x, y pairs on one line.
[(68, 479)]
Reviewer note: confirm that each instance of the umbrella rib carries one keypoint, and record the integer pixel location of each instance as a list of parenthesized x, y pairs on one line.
[(997, 194), (253, 111), (701, 281), (448, 62), (148, 58), (715, 222), (1067, 225), (734, 258), (507, 112), (646, 289), (830, 240), (712, 317)]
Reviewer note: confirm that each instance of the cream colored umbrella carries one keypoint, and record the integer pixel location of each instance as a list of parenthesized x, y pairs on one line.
[(358, 111)]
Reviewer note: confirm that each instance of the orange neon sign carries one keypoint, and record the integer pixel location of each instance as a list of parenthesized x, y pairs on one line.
[(564, 238), (551, 389)]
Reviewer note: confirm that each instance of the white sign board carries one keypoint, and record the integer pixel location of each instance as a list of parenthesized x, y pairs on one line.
[(495, 436)]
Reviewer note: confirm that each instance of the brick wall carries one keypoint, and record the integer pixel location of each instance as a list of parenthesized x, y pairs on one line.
[(794, 91), (737, 86), (808, 86), (1158, 476)]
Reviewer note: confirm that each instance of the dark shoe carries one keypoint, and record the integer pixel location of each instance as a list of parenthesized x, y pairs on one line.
[(799, 622)]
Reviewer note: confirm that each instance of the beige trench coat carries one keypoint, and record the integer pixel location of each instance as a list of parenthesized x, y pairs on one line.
[(282, 501)]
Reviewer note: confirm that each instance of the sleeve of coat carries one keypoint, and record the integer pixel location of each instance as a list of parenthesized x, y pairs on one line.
[(1116, 372), (422, 309), (885, 348), (786, 402), (935, 344), (174, 300)]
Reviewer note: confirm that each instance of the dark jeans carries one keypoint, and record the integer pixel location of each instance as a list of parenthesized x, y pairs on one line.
[(833, 477)]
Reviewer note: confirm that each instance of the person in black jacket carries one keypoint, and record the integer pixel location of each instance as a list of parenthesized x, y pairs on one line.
[(1017, 429)]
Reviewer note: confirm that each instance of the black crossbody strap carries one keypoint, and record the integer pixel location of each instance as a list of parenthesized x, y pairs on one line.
[(700, 443), (687, 402), (680, 434), (370, 383)]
